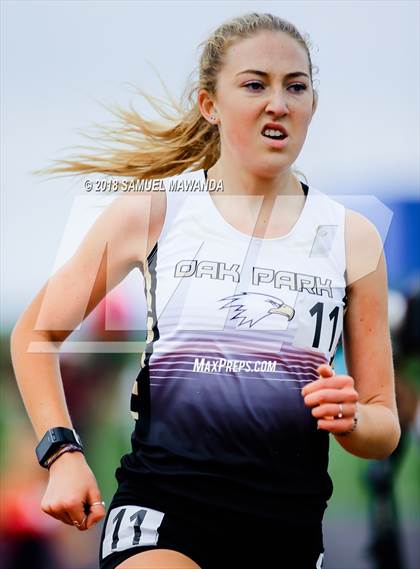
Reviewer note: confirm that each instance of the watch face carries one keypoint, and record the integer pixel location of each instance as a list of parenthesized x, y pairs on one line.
[(45, 448)]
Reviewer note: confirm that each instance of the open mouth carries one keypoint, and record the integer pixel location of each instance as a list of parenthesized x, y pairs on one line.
[(274, 134)]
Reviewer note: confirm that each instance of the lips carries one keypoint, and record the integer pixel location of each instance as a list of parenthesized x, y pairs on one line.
[(275, 126)]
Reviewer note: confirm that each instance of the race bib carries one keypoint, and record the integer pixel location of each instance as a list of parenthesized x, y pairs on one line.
[(131, 526), (320, 323)]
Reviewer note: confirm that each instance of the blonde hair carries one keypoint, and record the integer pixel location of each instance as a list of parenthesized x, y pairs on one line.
[(187, 140)]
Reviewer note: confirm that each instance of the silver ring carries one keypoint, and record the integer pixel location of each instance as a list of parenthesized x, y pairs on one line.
[(340, 412), (98, 504), (76, 523)]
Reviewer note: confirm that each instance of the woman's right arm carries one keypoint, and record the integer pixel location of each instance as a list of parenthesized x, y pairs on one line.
[(118, 241)]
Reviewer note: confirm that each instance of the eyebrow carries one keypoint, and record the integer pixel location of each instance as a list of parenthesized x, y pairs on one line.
[(265, 74)]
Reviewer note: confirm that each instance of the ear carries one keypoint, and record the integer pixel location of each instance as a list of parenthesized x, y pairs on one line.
[(205, 104)]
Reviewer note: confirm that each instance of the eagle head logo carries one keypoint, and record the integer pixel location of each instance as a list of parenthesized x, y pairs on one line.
[(251, 307)]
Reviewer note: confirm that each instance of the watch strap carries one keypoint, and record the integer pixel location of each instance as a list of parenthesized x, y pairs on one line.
[(53, 440), (60, 451)]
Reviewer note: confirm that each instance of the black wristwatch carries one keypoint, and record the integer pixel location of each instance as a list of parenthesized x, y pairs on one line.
[(53, 440)]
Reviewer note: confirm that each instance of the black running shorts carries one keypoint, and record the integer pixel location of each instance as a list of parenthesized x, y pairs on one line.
[(139, 519)]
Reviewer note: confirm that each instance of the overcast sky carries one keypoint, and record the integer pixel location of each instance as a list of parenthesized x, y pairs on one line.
[(60, 59)]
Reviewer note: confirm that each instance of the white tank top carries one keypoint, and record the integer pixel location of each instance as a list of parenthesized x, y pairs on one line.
[(236, 327)]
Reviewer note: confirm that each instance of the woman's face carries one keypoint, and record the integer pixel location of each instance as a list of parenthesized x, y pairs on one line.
[(246, 101)]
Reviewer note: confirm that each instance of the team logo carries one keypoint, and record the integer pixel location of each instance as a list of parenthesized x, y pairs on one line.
[(252, 307)]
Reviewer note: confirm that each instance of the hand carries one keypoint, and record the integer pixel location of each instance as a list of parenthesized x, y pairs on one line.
[(325, 395), (71, 491)]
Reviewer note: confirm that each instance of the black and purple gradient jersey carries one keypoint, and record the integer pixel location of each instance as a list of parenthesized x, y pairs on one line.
[(236, 326)]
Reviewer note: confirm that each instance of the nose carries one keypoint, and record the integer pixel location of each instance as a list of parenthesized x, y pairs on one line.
[(277, 104)]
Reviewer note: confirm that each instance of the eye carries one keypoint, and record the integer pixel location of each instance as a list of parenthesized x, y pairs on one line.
[(254, 83), (300, 87)]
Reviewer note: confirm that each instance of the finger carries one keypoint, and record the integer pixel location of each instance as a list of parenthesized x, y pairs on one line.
[(95, 515), (94, 508), (337, 381), (331, 396), (66, 518), (333, 410), (335, 426), (59, 513), (75, 511), (325, 370), (81, 526)]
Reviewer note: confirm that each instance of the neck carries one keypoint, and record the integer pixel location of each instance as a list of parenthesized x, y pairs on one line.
[(241, 181)]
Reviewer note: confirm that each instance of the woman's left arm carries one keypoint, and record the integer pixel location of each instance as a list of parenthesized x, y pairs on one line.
[(370, 386)]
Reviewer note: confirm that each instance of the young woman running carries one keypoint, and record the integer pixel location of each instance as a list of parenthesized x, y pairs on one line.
[(248, 292)]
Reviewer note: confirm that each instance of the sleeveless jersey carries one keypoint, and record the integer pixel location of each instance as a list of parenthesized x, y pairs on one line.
[(236, 327)]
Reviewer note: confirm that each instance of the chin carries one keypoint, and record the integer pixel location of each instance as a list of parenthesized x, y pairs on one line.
[(270, 168)]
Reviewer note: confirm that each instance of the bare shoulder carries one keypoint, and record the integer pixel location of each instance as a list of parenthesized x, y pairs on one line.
[(135, 221), (118, 241), (364, 247)]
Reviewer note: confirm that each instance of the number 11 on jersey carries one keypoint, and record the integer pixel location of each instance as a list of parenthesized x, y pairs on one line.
[(320, 323)]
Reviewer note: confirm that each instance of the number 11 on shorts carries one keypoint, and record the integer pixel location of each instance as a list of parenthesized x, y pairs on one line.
[(131, 526)]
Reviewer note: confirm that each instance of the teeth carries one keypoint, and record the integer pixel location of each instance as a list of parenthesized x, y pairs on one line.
[(272, 132)]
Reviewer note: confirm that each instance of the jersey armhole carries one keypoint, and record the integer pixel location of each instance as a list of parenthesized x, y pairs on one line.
[(170, 212)]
